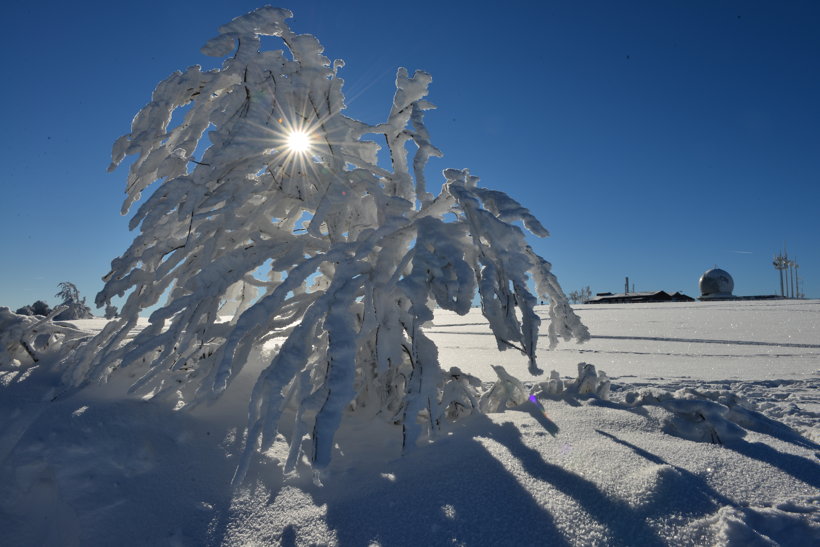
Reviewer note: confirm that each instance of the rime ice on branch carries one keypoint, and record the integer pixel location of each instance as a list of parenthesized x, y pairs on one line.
[(339, 258)]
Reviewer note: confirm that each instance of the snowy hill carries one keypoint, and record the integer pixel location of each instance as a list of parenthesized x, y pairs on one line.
[(708, 437)]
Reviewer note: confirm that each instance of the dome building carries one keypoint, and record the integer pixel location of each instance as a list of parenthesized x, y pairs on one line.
[(716, 284)]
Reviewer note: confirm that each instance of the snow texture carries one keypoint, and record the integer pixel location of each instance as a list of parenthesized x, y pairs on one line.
[(570, 468), (338, 258)]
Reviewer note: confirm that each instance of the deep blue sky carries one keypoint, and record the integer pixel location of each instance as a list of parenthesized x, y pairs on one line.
[(653, 139)]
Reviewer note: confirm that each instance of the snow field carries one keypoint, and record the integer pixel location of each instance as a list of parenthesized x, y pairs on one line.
[(94, 466)]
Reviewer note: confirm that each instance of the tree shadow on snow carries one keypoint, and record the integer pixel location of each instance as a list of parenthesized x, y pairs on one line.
[(760, 423), (799, 467), (678, 492), (452, 492), (626, 526), (458, 492), (690, 493), (111, 472), (802, 469)]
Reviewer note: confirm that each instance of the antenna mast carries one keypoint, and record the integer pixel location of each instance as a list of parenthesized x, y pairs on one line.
[(779, 264)]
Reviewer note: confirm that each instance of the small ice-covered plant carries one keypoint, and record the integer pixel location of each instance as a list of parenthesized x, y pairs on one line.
[(507, 392), (274, 219), (589, 383)]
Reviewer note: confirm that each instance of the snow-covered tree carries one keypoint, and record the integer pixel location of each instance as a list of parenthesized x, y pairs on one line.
[(272, 208), (74, 306)]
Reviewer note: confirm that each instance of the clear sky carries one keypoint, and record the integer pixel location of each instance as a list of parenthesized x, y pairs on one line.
[(653, 139)]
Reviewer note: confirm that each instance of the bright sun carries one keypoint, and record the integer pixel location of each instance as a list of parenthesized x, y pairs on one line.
[(298, 141)]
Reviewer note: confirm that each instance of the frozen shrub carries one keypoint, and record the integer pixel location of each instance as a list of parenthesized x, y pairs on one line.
[(38, 308), (25, 310), (25, 340)]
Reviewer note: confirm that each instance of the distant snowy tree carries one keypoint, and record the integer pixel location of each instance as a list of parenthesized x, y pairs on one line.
[(580, 296), (111, 311), (75, 307), (288, 224)]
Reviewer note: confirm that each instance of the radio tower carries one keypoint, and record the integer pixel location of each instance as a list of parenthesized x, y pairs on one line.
[(779, 264)]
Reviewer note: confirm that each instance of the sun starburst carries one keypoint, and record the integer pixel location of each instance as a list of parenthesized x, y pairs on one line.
[(298, 141)]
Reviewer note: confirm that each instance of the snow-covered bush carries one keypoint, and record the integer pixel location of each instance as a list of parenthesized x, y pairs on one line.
[(38, 308), (589, 383), (25, 310), (25, 340), (507, 392), (273, 209)]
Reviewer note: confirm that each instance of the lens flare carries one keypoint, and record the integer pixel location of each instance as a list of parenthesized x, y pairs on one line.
[(298, 142)]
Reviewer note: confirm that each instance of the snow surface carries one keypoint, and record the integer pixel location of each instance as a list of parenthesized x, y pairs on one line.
[(93, 466)]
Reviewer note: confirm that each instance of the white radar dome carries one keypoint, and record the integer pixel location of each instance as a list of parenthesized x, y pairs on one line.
[(716, 283)]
